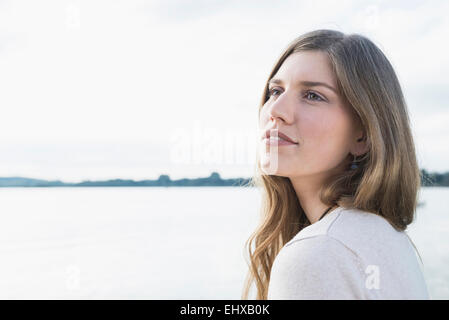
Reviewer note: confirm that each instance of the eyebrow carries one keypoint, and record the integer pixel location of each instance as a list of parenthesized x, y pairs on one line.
[(306, 83)]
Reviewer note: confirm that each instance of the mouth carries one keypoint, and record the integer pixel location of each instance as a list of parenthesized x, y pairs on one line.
[(278, 142), (274, 135)]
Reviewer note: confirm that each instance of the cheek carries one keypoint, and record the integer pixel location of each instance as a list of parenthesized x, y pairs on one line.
[(327, 132)]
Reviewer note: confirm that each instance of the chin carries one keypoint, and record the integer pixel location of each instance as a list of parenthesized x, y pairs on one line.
[(274, 170)]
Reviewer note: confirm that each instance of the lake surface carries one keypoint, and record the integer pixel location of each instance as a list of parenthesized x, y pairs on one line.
[(156, 243)]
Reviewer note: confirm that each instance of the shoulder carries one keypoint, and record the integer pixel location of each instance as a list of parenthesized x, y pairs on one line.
[(318, 267), (334, 257), (314, 253), (358, 230)]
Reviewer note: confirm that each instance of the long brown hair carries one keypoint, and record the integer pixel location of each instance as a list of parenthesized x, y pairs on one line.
[(387, 179)]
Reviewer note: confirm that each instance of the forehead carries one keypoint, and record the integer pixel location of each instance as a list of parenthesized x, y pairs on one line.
[(307, 66)]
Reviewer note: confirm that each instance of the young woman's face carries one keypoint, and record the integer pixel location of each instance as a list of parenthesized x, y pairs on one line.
[(312, 115)]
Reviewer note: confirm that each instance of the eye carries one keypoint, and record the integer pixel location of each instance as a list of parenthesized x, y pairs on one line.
[(309, 94), (313, 94), (272, 92)]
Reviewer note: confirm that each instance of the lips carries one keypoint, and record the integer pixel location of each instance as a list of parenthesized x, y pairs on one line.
[(280, 135)]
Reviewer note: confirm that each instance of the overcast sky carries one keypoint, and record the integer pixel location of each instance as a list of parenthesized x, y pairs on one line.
[(134, 89)]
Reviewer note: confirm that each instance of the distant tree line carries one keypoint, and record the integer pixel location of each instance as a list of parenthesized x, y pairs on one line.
[(164, 181), (434, 179), (427, 180)]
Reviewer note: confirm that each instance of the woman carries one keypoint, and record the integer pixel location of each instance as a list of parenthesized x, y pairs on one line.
[(339, 176)]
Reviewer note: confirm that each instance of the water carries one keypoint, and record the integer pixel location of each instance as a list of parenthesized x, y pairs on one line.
[(156, 243), (430, 234)]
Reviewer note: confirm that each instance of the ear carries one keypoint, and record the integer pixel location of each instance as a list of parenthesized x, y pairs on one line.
[(360, 145)]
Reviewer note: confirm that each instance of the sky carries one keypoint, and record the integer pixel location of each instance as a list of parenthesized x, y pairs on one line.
[(93, 90)]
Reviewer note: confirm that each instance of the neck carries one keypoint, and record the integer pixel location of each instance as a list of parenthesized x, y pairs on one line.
[(307, 192)]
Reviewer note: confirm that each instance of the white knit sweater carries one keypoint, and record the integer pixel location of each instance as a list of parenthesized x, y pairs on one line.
[(348, 254)]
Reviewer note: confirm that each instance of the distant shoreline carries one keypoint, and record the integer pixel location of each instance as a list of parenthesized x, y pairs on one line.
[(214, 180)]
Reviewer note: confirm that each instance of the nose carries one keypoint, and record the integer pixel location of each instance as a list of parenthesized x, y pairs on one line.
[(281, 109)]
